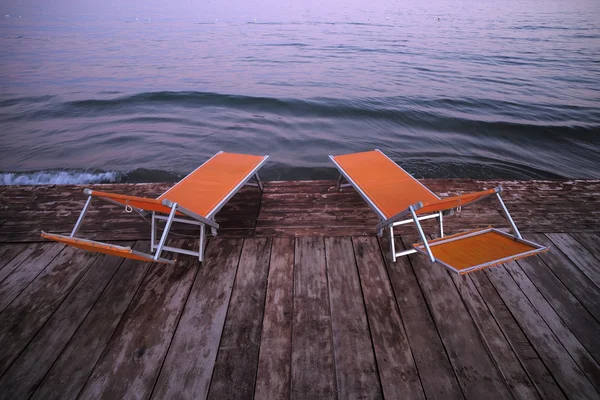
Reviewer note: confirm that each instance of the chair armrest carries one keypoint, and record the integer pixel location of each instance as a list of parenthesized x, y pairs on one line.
[(117, 196), (457, 201), (143, 203)]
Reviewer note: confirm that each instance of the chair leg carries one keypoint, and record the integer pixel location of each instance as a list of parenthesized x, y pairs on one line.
[(81, 216), (153, 233), (202, 239), (392, 244), (421, 233), (166, 231), (339, 183), (441, 225), (512, 223), (260, 184)]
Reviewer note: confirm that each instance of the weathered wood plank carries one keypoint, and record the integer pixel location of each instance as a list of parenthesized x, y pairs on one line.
[(132, 359), (506, 360), (535, 367), (538, 206), (7, 253), (28, 370), (591, 242), (580, 355), (306, 216), (188, 367), (26, 271), (76, 362), (587, 263), (23, 318), (119, 233), (397, 370), (356, 371), (17, 259), (313, 370), (570, 310), (559, 362), (314, 230), (470, 359), (235, 368), (274, 363), (576, 281), (437, 376)]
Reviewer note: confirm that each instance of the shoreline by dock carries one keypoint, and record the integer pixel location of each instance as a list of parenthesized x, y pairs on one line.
[(300, 208)]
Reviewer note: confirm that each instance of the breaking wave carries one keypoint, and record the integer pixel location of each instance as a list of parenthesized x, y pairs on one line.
[(81, 177), (58, 177)]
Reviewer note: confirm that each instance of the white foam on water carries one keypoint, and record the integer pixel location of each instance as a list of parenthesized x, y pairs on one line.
[(57, 177)]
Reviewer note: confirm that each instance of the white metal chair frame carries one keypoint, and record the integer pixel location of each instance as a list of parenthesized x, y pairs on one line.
[(158, 247), (396, 220)]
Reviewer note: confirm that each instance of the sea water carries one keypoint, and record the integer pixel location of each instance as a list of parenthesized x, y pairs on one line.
[(110, 91)]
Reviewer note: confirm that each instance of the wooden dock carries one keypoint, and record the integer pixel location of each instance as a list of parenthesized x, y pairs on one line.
[(298, 298)]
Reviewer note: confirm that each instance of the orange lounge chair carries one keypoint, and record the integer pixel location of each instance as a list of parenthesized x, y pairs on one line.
[(394, 194), (199, 197)]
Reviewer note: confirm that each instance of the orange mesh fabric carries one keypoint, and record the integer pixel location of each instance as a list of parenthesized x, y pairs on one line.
[(388, 186), (489, 247), (202, 190), (99, 247), (455, 201), (134, 201)]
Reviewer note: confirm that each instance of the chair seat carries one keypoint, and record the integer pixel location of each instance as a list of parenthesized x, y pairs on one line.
[(481, 248)]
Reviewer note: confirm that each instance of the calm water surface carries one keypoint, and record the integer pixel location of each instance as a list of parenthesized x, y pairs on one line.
[(148, 90)]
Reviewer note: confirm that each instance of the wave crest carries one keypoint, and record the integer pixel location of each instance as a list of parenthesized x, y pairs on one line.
[(57, 177)]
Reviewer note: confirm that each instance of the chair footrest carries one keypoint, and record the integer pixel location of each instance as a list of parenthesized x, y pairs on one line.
[(481, 248), (105, 248)]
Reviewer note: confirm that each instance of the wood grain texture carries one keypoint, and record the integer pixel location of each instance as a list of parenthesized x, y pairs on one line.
[(132, 359), (397, 369), (234, 373), (572, 277), (475, 369), (23, 318), (566, 372), (437, 376), (300, 208), (153, 330), (188, 368), (313, 370), (28, 370), (564, 303), (578, 352), (529, 358), (274, 363), (26, 270), (578, 255), (356, 371), (17, 259), (7, 253), (506, 360), (75, 364), (591, 242)]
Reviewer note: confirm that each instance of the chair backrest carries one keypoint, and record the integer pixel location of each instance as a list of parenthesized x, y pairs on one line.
[(390, 188), (205, 189)]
